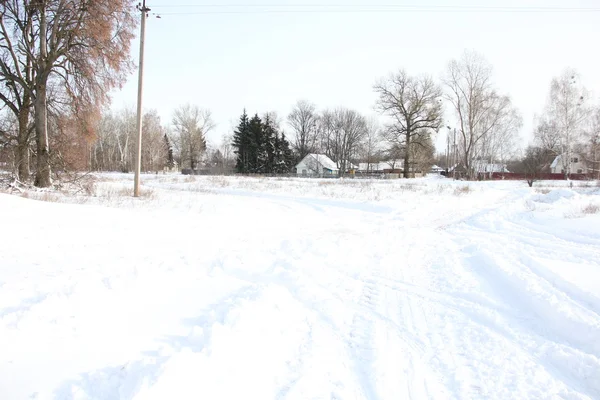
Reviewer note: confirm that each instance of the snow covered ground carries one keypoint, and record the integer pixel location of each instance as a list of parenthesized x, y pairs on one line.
[(240, 288)]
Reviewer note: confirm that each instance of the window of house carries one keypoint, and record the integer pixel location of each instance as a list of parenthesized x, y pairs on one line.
[(580, 171), (574, 160), (304, 172)]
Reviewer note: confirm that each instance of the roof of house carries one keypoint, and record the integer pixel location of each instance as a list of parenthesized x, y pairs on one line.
[(558, 159), (322, 159)]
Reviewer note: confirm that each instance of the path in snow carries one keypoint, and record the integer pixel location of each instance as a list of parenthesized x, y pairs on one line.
[(310, 298)]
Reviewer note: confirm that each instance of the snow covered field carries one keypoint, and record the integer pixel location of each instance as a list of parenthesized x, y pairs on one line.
[(240, 288)]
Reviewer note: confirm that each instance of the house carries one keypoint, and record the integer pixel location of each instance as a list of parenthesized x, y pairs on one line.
[(316, 165), (381, 167), (484, 167), (577, 165), (436, 170)]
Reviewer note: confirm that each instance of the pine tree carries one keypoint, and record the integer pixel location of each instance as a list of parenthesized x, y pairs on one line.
[(257, 153), (170, 158), (268, 151), (288, 156), (278, 161), (243, 144)]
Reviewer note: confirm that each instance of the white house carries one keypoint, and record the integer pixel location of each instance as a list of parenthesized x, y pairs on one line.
[(316, 164), (436, 170), (577, 165), (382, 166), (480, 166)]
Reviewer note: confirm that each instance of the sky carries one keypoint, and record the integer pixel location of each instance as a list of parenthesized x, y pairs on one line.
[(264, 55)]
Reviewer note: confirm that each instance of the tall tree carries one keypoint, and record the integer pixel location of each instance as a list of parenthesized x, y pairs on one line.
[(16, 74), (258, 156), (170, 160), (348, 131), (415, 107), (191, 125), (593, 139), (287, 161), (242, 144), (304, 121), (371, 144), (80, 47), (566, 111), (481, 111), (269, 144)]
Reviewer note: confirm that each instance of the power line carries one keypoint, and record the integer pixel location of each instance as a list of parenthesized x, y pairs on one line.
[(369, 11), (210, 8)]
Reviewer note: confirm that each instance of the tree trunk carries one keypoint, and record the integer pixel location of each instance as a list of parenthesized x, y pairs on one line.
[(407, 154), (22, 153), (42, 177)]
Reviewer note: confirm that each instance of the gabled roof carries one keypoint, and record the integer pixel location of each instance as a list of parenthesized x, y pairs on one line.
[(322, 159)]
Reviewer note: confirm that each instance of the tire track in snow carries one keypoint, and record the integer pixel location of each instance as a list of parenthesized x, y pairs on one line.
[(553, 321), (566, 346), (360, 341)]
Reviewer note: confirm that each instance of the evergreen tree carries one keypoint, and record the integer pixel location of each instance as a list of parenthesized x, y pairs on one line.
[(170, 158), (269, 139), (242, 142), (278, 166), (257, 153), (288, 156)]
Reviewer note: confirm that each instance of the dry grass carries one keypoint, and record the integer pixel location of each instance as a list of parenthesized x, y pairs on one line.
[(543, 191), (219, 181), (591, 209), (461, 190)]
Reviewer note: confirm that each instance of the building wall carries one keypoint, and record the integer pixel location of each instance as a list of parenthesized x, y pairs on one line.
[(575, 166)]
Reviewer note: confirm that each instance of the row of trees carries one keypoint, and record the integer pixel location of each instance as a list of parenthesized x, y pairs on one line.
[(487, 122), (58, 61), (182, 144)]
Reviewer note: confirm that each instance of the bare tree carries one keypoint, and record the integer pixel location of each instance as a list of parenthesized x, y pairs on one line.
[(371, 144), (191, 124), (564, 117), (415, 108), (154, 147), (16, 74), (304, 122), (349, 128), (480, 110), (593, 140), (79, 46)]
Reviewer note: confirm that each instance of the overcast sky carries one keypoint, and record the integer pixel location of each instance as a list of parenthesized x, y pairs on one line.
[(240, 56)]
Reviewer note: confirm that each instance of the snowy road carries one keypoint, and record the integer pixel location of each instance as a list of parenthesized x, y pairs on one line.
[(240, 292)]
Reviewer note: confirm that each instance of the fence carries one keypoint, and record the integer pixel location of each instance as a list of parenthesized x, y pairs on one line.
[(541, 176)]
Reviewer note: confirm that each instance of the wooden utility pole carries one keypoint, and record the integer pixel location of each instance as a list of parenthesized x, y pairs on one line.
[(138, 158)]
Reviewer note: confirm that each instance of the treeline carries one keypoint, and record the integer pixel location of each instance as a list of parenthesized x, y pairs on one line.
[(51, 112)]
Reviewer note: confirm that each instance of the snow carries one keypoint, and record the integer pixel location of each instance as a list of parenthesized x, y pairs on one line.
[(226, 287), (321, 159)]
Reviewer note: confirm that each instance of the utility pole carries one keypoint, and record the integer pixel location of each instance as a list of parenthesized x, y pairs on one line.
[(448, 151), (138, 159), (454, 156)]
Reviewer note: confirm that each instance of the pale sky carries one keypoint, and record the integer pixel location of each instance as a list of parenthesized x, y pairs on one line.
[(266, 61)]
